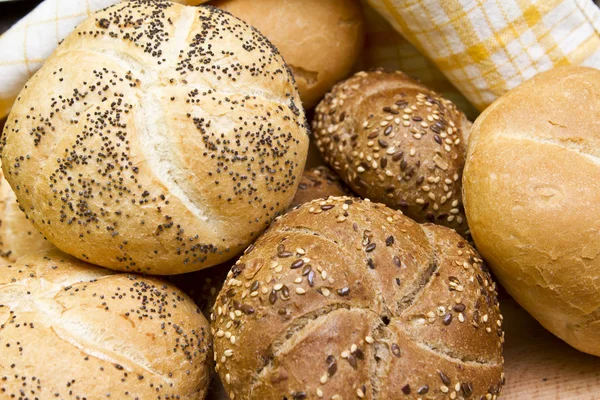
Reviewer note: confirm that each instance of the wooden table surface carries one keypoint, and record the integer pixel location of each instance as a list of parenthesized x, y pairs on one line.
[(540, 366)]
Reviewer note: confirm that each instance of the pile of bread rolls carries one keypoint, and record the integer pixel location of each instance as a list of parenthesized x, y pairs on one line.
[(161, 139)]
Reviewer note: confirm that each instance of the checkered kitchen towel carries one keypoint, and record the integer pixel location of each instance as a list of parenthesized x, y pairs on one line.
[(384, 47), (25, 47), (487, 47)]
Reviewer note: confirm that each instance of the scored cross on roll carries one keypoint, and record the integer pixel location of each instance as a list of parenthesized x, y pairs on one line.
[(157, 138)]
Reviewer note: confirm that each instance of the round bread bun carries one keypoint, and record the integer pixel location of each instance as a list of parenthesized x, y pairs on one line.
[(316, 183), (320, 40), (348, 298), (394, 141), (71, 330), (17, 236), (158, 138), (532, 199)]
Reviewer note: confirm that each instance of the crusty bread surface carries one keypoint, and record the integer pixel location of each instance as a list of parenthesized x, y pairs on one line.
[(70, 330), (394, 141), (532, 198), (157, 138), (344, 298)]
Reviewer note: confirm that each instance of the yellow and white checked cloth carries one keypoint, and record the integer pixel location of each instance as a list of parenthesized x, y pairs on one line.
[(487, 47), (384, 47), (26, 45)]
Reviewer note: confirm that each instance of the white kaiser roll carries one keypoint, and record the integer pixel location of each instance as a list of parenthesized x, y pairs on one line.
[(158, 138), (70, 330), (532, 198)]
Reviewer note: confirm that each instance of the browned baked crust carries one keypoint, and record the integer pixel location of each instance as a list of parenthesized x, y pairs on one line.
[(344, 297), (70, 330), (532, 195), (316, 183), (320, 40), (157, 138), (395, 141)]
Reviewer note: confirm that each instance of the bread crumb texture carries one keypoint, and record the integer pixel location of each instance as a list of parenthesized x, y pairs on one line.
[(69, 330), (343, 298), (158, 138)]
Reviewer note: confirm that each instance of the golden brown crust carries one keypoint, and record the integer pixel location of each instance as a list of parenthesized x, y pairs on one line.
[(320, 40), (394, 141), (18, 236), (316, 183), (350, 298), (73, 330), (157, 138), (531, 189)]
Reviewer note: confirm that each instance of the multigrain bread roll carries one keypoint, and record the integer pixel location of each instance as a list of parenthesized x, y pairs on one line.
[(72, 330), (317, 183), (18, 237), (532, 196), (320, 40), (157, 138), (343, 298), (394, 141)]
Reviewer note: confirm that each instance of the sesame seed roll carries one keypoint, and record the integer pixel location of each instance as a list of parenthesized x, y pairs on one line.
[(394, 141), (70, 330), (157, 138), (343, 298)]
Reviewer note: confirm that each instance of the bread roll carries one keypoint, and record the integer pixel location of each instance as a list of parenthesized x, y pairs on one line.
[(394, 141), (320, 40), (72, 330), (532, 196), (157, 138), (348, 298), (316, 183), (17, 236)]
